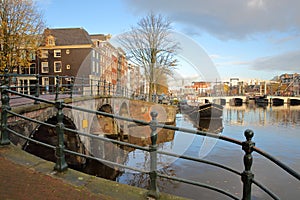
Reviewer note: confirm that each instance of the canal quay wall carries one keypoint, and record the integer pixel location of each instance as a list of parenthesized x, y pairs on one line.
[(26, 176)]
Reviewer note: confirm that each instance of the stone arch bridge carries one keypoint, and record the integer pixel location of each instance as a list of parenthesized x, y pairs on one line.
[(84, 121)]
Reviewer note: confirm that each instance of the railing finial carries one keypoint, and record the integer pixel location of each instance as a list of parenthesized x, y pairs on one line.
[(247, 175), (249, 134)]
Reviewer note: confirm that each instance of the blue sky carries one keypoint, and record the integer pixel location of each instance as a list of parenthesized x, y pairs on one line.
[(249, 39)]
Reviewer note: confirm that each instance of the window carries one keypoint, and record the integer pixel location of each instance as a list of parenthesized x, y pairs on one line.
[(68, 66), (57, 66), (93, 70), (45, 81), (45, 68), (15, 70), (57, 53), (32, 55), (50, 41), (44, 54), (32, 69)]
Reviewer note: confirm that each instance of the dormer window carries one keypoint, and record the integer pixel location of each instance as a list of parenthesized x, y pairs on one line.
[(50, 41)]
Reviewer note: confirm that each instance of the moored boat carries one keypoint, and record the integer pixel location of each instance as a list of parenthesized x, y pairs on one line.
[(210, 110), (261, 101), (202, 111), (236, 102)]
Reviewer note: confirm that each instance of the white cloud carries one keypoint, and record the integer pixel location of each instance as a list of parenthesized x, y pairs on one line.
[(215, 56), (232, 63), (286, 39), (256, 4), (289, 61), (230, 19)]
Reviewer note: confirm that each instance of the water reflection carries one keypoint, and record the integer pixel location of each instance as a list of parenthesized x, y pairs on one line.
[(214, 125), (141, 135), (264, 116), (275, 126), (138, 135)]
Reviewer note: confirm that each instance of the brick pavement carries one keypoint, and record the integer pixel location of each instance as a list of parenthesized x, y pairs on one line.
[(24, 176)]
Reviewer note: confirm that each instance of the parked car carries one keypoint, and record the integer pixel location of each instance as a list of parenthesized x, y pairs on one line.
[(174, 101), (163, 99)]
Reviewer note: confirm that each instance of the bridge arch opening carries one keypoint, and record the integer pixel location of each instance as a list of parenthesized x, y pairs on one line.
[(103, 125), (48, 135)]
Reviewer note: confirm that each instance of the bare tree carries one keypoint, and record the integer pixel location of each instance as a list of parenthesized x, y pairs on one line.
[(150, 46), (21, 25)]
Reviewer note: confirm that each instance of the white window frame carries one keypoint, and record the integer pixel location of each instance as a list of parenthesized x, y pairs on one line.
[(57, 53), (44, 53), (42, 66), (55, 67), (45, 81), (51, 41)]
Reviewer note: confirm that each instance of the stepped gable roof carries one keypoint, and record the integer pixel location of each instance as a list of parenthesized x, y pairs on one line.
[(69, 36)]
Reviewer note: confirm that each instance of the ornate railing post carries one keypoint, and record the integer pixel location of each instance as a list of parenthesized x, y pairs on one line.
[(4, 140), (153, 192), (56, 87), (37, 88), (104, 87), (61, 164), (247, 175)]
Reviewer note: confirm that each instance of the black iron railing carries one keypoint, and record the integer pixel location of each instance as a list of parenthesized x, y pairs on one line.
[(36, 84), (248, 146)]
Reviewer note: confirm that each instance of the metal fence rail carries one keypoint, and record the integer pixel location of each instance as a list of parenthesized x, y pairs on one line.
[(248, 146), (66, 85)]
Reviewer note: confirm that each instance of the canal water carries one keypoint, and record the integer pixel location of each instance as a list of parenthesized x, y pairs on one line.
[(276, 131)]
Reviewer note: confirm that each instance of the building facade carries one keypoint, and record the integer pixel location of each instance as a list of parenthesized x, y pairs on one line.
[(67, 52)]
